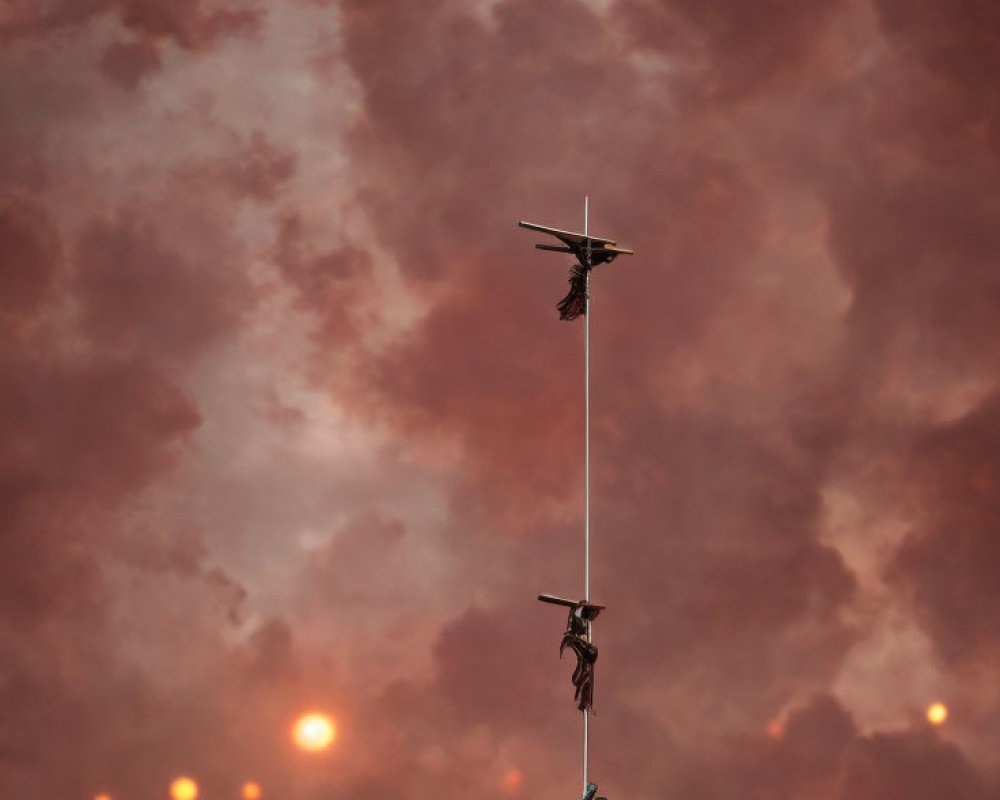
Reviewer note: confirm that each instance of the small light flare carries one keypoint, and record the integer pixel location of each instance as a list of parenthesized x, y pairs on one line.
[(937, 713), (313, 731), (102, 796), (251, 791), (775, 730), (183, 789), (512, 780)]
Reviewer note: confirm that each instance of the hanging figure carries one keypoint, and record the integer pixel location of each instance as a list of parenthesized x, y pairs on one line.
[(577, 639), (589, 251)]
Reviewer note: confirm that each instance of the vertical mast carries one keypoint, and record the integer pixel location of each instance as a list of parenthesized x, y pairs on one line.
[(586, 464), (586, 413), (579, 633)]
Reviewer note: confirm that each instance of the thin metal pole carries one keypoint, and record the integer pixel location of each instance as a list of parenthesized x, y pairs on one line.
[(586, 424), (586, 463)]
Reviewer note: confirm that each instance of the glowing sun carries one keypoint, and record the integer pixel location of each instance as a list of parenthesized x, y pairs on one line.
[(313, 731), (251, 791), (937, 713), (183, 789)]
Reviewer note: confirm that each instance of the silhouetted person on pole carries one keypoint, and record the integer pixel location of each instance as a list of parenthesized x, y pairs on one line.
[(577, 639)]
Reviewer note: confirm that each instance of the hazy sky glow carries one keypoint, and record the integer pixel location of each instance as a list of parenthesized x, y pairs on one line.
[(289, 420)]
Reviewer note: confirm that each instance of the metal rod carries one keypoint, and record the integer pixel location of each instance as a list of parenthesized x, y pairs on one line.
[(586, 463), (586, 393)]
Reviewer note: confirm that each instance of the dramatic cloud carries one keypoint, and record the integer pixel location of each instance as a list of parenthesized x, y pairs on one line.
[(290, 421)]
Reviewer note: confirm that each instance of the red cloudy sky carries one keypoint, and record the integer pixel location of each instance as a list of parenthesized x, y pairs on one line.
[(289, 420)]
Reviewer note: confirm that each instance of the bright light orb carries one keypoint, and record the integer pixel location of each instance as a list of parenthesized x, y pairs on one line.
[(251, 791), (102, 796), (937, 713), (313, 731), (183, 789)]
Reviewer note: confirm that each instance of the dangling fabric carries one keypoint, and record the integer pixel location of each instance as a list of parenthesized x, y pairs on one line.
[(575, 302), (583, 675)]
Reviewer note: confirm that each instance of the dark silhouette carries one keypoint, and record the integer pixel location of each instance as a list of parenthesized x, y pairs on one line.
[(589, 251), (577, 639)]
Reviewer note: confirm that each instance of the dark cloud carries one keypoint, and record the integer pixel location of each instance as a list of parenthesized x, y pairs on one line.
[(27, 19), (141, 294), (952, 39), (334, 283), (127, 63), (79, 438), (259, 169), (913, 764), (947, 563), (728, 52), (191, 24), (821, 754), (30, 245)]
